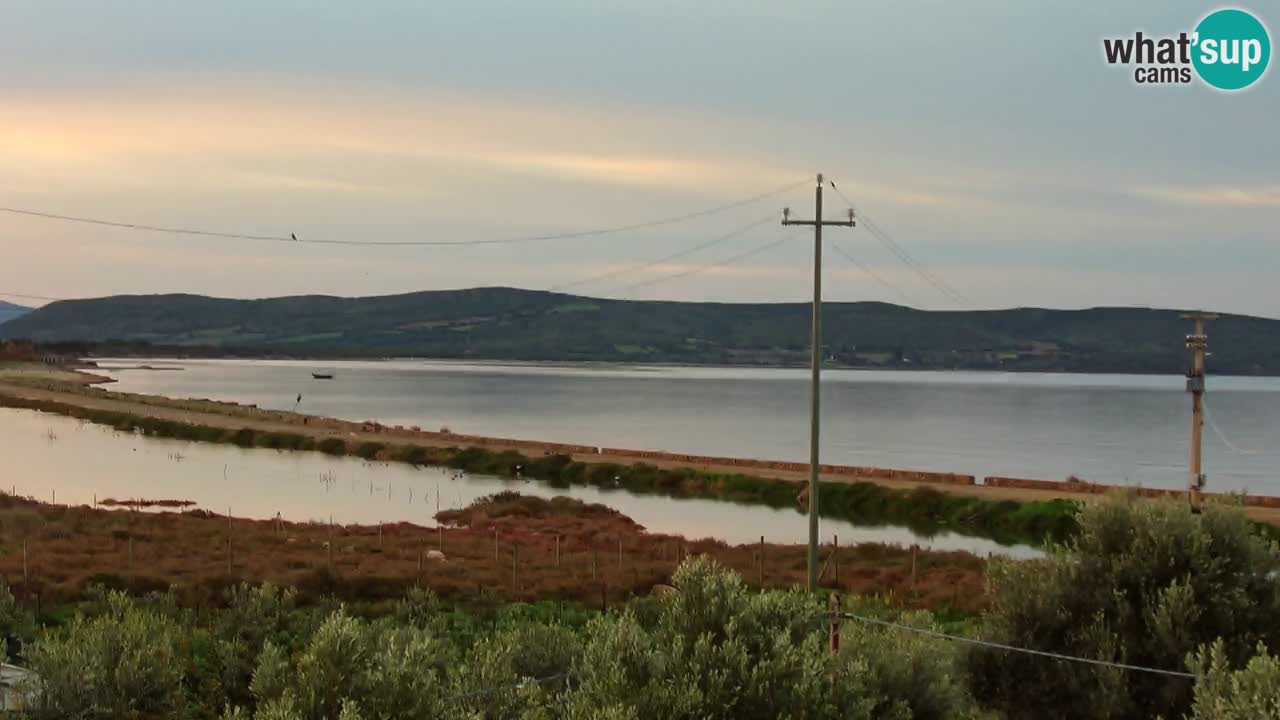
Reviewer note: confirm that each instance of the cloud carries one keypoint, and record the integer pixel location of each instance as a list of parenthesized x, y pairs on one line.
[(1221, 196)]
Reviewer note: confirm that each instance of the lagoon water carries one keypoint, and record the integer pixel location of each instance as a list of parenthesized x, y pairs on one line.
[(1116, 429), (55, 458)]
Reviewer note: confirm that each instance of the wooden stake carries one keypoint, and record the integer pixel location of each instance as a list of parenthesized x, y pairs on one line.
[(760, 559), (379, 535), (557, 551), (26, 578), (515, 553), (833, 615), (440, 537), (619, 552), (495, 544), (835, 559), (594, 552), (914, 549)]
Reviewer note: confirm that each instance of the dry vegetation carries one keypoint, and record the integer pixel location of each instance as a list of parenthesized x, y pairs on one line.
[(50, 554)]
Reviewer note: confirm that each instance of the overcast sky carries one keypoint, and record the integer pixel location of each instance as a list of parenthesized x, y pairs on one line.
[(988, 138)]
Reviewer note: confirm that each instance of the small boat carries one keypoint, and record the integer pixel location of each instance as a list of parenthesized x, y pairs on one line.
[(322, 376)]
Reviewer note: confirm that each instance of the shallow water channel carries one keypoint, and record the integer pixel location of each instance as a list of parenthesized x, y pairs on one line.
[(50, 457)]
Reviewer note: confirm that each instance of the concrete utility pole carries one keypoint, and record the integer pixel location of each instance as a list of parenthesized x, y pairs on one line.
[(1197, 342), (816, 365)]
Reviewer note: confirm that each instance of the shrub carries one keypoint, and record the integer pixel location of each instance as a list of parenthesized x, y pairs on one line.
[(125, 662), (1143, 582), (370, 450), (1249, 693), (333, 446)]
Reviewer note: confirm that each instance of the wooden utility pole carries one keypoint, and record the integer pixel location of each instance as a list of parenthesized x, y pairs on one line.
[(1197, 343), (815, 361)]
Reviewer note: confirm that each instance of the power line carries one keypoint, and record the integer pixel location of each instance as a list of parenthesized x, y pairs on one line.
[(901, 253), (702, 268), (659, 261), (1221, 435), (874, 275), (406, 243), (1013, 648)]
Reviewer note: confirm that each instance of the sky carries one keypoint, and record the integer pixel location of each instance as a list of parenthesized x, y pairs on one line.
[(987, 138)]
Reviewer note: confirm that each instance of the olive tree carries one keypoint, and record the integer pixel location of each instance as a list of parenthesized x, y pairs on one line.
[(1144, 583), (1249, 693)]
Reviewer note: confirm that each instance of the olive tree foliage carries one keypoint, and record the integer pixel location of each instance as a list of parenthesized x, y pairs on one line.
[(125, 662), (1144, 583), (14, 621), (716, 650), (353, 668), (254, 616), (1249, 693)]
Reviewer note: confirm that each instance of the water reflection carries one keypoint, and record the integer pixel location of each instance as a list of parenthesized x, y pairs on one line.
[(49, 454)]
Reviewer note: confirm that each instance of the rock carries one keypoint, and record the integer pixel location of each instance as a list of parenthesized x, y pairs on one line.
[(662, 590), (435, 555)]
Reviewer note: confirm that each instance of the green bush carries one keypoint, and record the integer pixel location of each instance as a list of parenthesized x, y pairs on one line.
[(1142, 582), (332, 446), (125, 662), (370, 450), (1249, 693)]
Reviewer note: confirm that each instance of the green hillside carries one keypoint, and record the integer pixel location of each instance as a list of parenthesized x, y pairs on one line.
[(504, 323)]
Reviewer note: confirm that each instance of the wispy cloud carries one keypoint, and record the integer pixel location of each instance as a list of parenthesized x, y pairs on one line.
[(1221, 196)]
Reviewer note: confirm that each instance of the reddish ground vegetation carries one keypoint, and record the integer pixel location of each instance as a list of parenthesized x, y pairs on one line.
[(510, 548)]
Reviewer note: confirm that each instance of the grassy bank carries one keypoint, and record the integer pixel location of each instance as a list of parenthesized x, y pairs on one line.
[(924, 510)]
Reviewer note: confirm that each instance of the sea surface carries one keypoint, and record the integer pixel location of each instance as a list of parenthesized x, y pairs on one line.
[(1116, 429)]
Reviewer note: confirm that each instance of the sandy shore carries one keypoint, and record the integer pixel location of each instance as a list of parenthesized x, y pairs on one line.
[(80, 387)]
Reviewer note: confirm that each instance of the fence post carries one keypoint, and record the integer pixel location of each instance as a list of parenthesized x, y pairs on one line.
[(760, 561), (833, 617), (228, 542), (515, 554), (440, 537), (379, 534), (26, 578), (330, 544), (495, 545), (914, 550), (594, 552), (619, 552), (835, 560), (557, 551)]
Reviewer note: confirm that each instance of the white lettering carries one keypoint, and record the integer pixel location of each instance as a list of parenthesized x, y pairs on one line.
[(1209, 51), (1252, 54), (1230, 51)]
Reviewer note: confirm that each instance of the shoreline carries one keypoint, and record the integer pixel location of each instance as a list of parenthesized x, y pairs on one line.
[(78, 388), (588, 364)]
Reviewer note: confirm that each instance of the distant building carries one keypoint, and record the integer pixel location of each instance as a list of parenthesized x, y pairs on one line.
[(19, 689)]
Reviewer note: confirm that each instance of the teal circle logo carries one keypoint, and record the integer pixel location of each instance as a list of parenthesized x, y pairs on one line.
[(1232, 49)]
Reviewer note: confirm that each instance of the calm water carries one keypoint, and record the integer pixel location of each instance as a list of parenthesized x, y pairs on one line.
[(57, 458), (1108, 428)]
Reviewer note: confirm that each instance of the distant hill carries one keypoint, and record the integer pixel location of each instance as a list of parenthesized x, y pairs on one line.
[(9, 311), (504, 323)]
